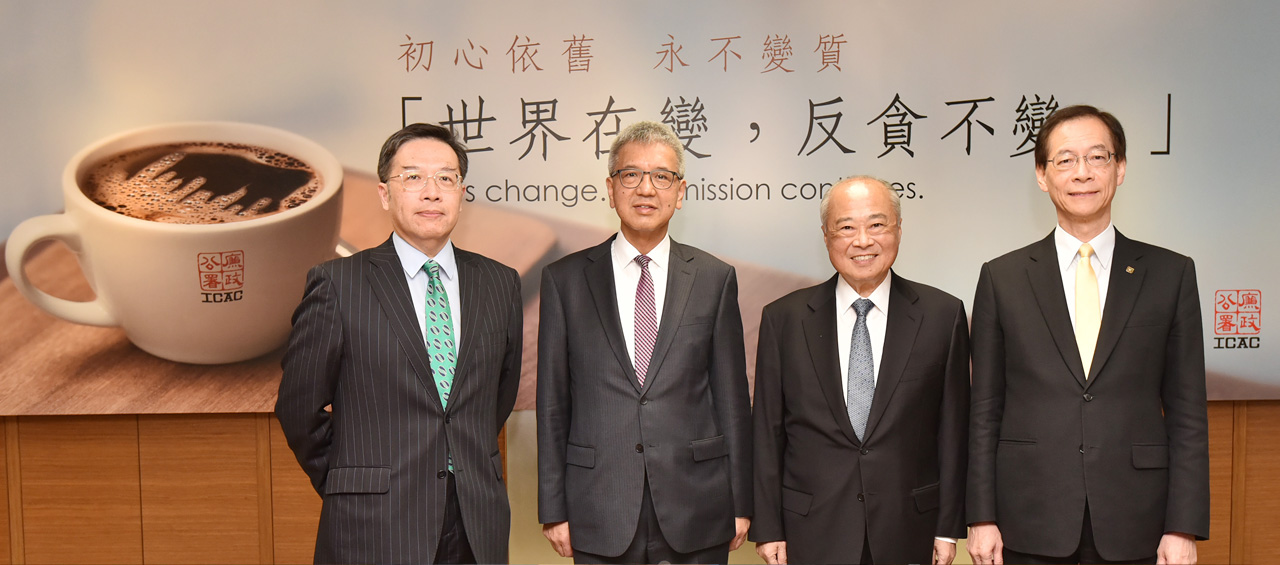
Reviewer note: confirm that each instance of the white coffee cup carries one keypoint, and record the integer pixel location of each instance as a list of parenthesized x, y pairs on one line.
[(174, 288)]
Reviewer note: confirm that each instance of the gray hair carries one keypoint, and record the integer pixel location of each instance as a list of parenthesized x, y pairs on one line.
[(647, 132), (893, 195)]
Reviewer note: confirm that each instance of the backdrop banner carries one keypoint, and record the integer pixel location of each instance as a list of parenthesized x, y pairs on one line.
[(775, 102)]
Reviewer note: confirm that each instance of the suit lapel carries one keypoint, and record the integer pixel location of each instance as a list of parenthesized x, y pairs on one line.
[(899, 337), (599, 274), (1122, 294), (469, 287), (680, 276), (820, 334), (386, 277), (1045, 279)]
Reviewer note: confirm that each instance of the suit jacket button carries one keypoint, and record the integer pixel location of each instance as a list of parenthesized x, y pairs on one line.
[(864, 451), (1088, 397), (644, 401), (639, 448), (859, 497), (1082, 450), (448, 419), (441, 474)]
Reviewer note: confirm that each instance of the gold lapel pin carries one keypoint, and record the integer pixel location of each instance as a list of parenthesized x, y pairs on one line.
[(1128, 270)]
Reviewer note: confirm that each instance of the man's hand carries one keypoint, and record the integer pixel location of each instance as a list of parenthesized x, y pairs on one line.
[(773, 552), (944, 552), (558, 534), (1176, 549), (742, 525), (986, 547)]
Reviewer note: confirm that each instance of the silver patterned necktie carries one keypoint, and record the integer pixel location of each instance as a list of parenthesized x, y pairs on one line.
[(646, 324), (862, 380)]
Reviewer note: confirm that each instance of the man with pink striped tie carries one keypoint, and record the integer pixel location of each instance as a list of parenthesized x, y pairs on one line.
[(644, 445)]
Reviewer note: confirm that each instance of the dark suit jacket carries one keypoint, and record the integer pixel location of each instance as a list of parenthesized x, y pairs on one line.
[(816, 486), (379, 460), (1131, 440), (600, 434)]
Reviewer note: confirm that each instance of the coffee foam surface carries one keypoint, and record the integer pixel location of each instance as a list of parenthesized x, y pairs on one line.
[(201, 183)]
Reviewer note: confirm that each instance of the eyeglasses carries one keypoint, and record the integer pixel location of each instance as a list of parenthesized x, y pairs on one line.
[(661, 179), (848, 231), (414, 181), (1096, 159)]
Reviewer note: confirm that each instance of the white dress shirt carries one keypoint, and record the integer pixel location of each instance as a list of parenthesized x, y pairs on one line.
[(411, 259), (626, 277), (846, 317), (1068, 247)]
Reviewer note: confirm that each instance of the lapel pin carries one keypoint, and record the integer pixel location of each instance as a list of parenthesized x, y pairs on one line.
[(1128, 270)]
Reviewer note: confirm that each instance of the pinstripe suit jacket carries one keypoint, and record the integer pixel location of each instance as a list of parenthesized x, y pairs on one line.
[(378, 459), (600, 433)]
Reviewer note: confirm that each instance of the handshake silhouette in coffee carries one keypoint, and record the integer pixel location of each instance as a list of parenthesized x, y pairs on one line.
[(201, 183)]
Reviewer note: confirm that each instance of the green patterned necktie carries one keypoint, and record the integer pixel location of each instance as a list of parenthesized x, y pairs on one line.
[(440, 343)]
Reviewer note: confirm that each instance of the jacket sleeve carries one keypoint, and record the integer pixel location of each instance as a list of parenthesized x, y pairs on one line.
[(311, 366), (986, 402), (509, 378), (728, 379), (553, 405), (1186, 415), (769, 437), (953, 432)]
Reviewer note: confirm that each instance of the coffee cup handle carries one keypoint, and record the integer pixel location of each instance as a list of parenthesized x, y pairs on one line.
[(60, 228)]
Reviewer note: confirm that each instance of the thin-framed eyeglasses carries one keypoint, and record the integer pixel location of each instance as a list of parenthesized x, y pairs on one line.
[(661, 179), (1096, 159), (414, 181), (849, 230)]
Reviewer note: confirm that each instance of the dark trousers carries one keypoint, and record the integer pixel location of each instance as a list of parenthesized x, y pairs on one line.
[(454, 547), (1087, 552), (649, 545)]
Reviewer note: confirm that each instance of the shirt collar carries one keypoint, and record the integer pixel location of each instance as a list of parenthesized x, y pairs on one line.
[(845, 295), (623, 252), (1104, 246), (412, 259)]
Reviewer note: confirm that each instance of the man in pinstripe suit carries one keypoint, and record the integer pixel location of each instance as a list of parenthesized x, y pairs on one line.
[(644, 445), (398, 431)]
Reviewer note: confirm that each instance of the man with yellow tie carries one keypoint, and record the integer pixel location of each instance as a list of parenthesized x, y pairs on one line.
[(1088, 426)]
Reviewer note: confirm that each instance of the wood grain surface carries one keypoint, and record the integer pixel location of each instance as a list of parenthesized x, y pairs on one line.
[(295, 506), (1218, 548), (200, 488), (5, 526), (80, 489)]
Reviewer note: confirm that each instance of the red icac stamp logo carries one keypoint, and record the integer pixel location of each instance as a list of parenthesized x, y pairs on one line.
[(1237, 319), (221, 275), (1237, 312)]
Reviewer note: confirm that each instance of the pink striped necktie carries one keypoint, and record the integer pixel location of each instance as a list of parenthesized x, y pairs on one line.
[(646, 319)]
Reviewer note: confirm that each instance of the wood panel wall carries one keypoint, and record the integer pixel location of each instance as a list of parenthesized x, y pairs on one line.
[(226, 489), (5, 501), (200, 483), (153, 489)]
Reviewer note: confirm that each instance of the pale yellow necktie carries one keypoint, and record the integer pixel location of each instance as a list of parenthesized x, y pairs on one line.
[(1088, 313)]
